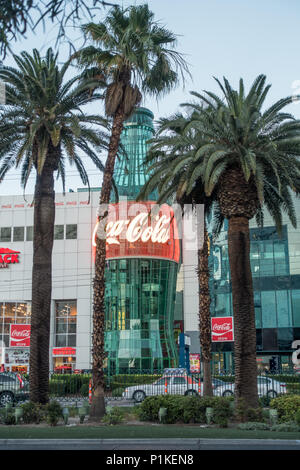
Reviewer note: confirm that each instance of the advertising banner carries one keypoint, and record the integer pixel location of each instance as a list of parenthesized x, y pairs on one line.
[(222, 329), (195, 363), (19, 336), (17, 356), (64, 351)]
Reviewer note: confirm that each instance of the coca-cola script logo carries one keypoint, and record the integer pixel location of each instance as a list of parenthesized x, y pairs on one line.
[(138, 230), (19, 335), (222, 329)]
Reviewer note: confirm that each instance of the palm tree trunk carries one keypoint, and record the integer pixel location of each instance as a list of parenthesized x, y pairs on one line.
[(204, 315), (44, 214), (243, 311), (99, 354)]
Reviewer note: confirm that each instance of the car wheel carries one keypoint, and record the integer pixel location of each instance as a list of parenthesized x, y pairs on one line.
[(191, 393), (6, 397), (139, 396), (272, 394), (227, 393)]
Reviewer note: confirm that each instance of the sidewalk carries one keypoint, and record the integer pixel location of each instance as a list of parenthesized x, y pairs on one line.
[(148, 444)]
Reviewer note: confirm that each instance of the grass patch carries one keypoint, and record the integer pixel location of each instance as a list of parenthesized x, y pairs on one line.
[(136, 432)]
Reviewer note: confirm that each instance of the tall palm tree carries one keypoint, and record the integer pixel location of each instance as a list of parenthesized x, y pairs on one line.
[(169, 162), (135, 55), (249, 158), (42, 127)]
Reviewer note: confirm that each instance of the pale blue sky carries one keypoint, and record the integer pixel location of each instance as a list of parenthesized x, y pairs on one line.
[(231, 38)]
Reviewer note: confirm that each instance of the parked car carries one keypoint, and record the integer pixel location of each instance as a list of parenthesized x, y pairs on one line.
[(168, 384), (12, 388), (266, 387)]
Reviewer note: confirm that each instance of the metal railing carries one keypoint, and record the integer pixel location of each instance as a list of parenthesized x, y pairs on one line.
[(136, 386)]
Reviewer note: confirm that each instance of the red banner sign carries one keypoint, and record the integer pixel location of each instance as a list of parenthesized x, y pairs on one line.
[(64, 352), (222, 329), (140, 230), (19, 336), (8, 256)]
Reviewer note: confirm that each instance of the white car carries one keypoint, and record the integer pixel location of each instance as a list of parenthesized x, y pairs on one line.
[(169, 384), (266, 387)]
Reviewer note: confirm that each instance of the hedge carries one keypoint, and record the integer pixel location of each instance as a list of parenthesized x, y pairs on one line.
[(187, 409), (287, 407)]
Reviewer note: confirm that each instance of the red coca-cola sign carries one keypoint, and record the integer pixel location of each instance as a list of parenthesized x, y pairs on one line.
[(19, 336), (222, 329), (140, 230)]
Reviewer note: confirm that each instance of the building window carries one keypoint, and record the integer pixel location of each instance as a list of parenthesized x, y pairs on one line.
[(13, 313), (296, 307), (29, 234), (18, 234), (71, 232), (65, 323), (5, 234), (269, 311), (58, 232)]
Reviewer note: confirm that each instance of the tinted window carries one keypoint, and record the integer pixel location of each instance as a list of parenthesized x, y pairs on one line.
[(29, 234), (163, 380), (18, 234), (6, 379), (179, 381), (58, 232), (262, 381), (71, 231), (5, 234)]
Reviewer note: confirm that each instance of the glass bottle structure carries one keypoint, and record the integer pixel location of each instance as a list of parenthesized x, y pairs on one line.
[(142, 265)]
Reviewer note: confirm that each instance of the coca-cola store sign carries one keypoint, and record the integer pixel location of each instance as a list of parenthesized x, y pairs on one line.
[(222, 329), (19, 336)]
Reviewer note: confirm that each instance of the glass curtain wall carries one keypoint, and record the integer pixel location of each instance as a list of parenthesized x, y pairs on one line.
[(277, 303)]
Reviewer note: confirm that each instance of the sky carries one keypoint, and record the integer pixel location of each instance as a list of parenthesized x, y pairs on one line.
[(218, 38)]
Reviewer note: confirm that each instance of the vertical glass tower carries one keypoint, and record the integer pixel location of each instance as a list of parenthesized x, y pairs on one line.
[(140, 281)]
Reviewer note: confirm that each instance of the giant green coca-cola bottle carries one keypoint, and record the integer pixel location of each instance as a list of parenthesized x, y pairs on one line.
[(142, 265)]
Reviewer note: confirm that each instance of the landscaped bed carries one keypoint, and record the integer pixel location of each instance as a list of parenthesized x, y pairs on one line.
[(157, 416)]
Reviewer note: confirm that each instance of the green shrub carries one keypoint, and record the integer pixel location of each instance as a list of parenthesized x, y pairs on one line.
[(297, 417), (285, 427), (293, 388), (264, 401), (286, 406), (114, 416), (84, 390), (7, 416), (53, 413), (253, 426), (185, 408), (72, 382), (57, 388), (254, 414), (32, 413)]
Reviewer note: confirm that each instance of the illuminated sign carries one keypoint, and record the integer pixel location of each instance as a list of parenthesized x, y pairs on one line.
[(8, 256), (64, 352), (222, 329), (140, 230), (19, 335)]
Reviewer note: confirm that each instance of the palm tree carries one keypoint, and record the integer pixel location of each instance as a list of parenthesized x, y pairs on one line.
[(42, 126), (249, 158), (169, 162), (135, 55)]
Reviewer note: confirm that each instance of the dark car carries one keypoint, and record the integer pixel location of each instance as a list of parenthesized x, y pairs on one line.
[(13, 388)]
